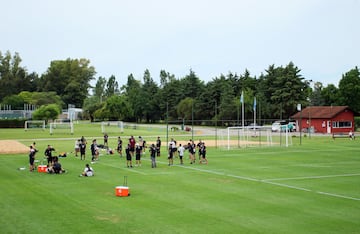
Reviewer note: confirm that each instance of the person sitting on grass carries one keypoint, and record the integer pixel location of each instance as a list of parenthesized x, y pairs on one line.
[(57, 168), (88, 171)]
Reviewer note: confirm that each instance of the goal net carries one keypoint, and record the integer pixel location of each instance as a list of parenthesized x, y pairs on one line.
[(62, 127), (242, 137), (34, 125), (112, 127)]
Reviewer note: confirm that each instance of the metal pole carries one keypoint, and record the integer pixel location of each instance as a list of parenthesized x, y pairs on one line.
[(192, 120), (309, 124), (238, 124), (216, 124), (167, 124)]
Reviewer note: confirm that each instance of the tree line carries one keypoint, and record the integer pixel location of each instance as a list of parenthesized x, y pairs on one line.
[(278, 91)]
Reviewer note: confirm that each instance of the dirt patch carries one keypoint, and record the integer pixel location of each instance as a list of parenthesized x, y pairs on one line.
[(12, 147)]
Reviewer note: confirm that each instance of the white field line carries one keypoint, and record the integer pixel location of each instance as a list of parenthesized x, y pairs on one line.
[(340, 196), (286, 186), (273, 183), (128, 169), (311, 177), (266, 181)]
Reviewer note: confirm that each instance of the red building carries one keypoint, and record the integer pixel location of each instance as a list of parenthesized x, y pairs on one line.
[(325, 119)]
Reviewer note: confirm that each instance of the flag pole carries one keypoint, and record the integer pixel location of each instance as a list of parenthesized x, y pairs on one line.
[(255, 114), (242, 112)]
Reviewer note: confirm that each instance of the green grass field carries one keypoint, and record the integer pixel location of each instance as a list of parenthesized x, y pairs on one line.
[(309, 188)]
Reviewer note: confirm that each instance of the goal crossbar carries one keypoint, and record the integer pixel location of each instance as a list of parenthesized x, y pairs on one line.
[(259, 136), (67, 126), (34, 124), (112, 126)]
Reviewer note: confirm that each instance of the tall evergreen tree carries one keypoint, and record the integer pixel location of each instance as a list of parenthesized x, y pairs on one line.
[(349, 89)]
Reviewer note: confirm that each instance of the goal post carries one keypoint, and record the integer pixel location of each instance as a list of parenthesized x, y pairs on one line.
[(62, 127), (34, 125), (112, 127), (242, 137)]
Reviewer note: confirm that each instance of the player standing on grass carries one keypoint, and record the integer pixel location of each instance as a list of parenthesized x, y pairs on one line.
[(82, 146), (106, 138), (158, 146), (48, 155), (153, 151), (93, 149), (191, 153), (119, 146), (32, 153), (77, 147), (198, 147), (138, 151), (181, 151), (171, 154), (128, 156), (202, 151), (173, 147), (193, 145), (132, 143)]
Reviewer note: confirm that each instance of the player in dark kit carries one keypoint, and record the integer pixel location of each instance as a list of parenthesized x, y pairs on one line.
[(153, 151), (106, 137), (93, 148), (32, 153), (82, 147), (203, 153), (171, 155), (158, 146), (138, 151), (128, 156), (119, 146), (191, 153), (48, 155)]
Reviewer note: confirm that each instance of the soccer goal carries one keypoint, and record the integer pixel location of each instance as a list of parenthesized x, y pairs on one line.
[(34, 125), (112, 127), (62, 127), (241, 137)]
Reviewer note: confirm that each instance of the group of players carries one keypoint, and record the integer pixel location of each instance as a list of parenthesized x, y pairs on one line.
[(133, 148), (191, 147), (138, 149), (53, 164)]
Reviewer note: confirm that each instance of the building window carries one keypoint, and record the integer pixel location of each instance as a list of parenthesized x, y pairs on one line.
[(342, 124)]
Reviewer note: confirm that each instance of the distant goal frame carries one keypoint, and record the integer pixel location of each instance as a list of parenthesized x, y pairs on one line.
[(118, 124), (40, 123), (53, 126), (262, 136)]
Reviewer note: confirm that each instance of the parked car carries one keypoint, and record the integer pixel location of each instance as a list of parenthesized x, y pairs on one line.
[(287, 127), (276, 126), (294, 127), (283, 126), (254, 126)]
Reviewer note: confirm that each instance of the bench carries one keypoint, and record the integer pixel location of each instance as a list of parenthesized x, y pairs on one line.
[(342, 135)]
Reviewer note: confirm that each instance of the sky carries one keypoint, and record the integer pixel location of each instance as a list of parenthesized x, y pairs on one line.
[(209, 37)]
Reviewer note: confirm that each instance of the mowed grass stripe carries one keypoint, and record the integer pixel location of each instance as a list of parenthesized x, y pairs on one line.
[(225, 196)]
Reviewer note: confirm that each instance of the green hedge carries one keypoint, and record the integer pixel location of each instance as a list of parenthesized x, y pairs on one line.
[(12, 123)]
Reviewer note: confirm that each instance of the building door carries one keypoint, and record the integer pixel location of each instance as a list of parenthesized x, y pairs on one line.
[(328, 126)]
